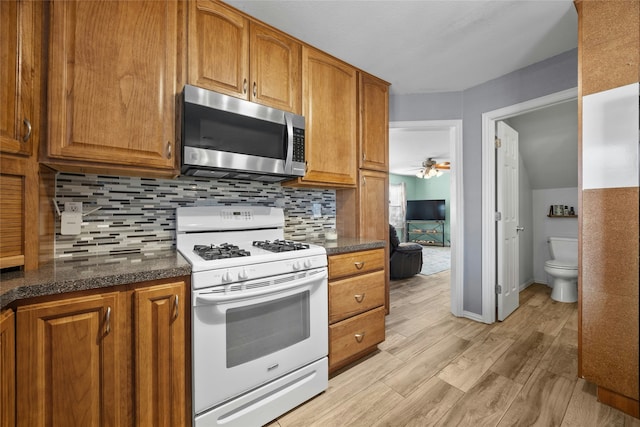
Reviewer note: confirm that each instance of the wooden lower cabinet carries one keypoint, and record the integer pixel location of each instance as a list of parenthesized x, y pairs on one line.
[(115, 358), (68, 352), (7, 369), (356, 305), (160, 321)]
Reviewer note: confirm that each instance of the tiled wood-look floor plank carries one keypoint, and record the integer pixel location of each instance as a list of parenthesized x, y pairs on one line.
[(424, 365), (424, 407), (582, 412), (471, 365), (542, 401), (484, 404), (562, 356), (533, 382), (519, 361)]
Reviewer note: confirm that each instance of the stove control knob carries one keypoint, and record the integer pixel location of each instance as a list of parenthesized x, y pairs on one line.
[(296, 265), (243, 275), (226, 277), (307, 263)]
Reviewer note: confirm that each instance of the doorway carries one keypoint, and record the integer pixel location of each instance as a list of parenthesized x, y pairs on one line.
[(454, 128), (489, 255)]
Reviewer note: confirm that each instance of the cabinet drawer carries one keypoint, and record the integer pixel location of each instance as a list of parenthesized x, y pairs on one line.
[(355, 335), (354, 295), (355, 263)]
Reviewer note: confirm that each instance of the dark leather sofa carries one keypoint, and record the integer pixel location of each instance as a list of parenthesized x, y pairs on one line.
[(406, 258)]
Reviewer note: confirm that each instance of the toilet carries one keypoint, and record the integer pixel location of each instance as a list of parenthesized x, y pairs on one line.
[(563, 268)]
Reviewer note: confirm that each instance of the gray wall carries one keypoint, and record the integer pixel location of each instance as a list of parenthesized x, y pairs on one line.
[(543, 78)]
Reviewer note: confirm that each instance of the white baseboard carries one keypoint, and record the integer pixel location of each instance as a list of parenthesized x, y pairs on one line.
[(526, 284), (473, 316)]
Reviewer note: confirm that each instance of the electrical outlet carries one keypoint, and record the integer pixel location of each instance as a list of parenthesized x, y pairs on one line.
[(317, 210), (75, 207)]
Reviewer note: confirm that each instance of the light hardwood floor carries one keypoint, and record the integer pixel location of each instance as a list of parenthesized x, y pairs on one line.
[(438, 370)]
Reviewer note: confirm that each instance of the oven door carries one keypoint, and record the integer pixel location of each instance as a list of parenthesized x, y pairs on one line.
[(250, 333)]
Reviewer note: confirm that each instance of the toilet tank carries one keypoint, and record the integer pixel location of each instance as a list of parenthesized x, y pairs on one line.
[(564, 248)]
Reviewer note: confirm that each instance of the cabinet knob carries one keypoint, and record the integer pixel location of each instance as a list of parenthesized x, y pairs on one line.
[(359, 337), (359, 297), (27, 123)]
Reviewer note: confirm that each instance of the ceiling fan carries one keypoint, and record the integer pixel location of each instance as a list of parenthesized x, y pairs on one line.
[(431, 168)]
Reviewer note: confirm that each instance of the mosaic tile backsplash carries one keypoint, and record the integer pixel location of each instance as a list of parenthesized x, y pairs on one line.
[(138, 214)]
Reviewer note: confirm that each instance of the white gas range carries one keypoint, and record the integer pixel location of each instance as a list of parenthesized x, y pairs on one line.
[(259, 316)]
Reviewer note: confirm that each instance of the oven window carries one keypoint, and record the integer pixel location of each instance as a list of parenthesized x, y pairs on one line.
[(261, 329)]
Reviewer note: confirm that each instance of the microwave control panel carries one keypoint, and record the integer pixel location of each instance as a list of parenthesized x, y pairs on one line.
[(298, 145)]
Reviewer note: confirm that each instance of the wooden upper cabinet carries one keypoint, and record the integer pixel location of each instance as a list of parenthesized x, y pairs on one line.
[(275, 69), (230, 54), (374, 123), (218, 43), (18, 75), (330, 108), (67, 359), (113, 70)]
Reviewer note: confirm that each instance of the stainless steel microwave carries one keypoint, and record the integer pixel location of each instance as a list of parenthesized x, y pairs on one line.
[(227, 137)]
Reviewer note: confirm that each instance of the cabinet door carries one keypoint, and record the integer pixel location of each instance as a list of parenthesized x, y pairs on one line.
[(218, 48), (18, 80), (112, 83), (374, 123), (329, 91), (7, 369), (275, 63), (161, 378), (68, 353), (19, 235), (374, 205)]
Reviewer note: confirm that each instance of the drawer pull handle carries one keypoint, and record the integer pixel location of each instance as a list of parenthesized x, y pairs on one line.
[(359, 337), (359, 297), (176, 306), (108, 321), (359, 264)]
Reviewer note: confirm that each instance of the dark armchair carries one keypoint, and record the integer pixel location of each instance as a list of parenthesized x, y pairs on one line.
[(406, 258)]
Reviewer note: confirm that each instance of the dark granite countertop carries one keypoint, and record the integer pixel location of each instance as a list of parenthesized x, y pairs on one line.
[(67, 275), (348, 244)]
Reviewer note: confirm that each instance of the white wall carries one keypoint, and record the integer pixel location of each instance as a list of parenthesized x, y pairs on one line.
[(525, 240), (543, 227)]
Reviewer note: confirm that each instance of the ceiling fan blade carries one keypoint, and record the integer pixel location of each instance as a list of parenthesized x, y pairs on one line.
[(443, 165)]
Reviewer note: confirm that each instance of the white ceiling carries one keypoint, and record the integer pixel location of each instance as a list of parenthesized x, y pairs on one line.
[(425, 46)]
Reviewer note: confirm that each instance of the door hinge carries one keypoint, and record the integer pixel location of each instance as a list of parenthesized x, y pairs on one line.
[(498, 289), (498, 142), (498, 216)]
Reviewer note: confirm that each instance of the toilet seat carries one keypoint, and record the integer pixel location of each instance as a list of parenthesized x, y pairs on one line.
[(561, 265)]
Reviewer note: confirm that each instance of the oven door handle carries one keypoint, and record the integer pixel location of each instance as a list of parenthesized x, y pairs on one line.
[(212, 299)]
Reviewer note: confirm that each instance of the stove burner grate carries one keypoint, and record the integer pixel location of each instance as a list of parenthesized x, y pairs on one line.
[(222, 251), (280, 245)]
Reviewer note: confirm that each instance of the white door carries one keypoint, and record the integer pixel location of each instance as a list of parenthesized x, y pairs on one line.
[(507, 226)]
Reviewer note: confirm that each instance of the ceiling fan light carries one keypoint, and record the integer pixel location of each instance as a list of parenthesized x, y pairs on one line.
[(439, 173)]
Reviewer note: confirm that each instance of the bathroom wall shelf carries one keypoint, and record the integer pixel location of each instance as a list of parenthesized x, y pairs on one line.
[(562, 216)]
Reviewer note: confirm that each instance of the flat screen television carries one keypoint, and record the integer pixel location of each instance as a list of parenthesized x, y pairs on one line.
[(425, 210)]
